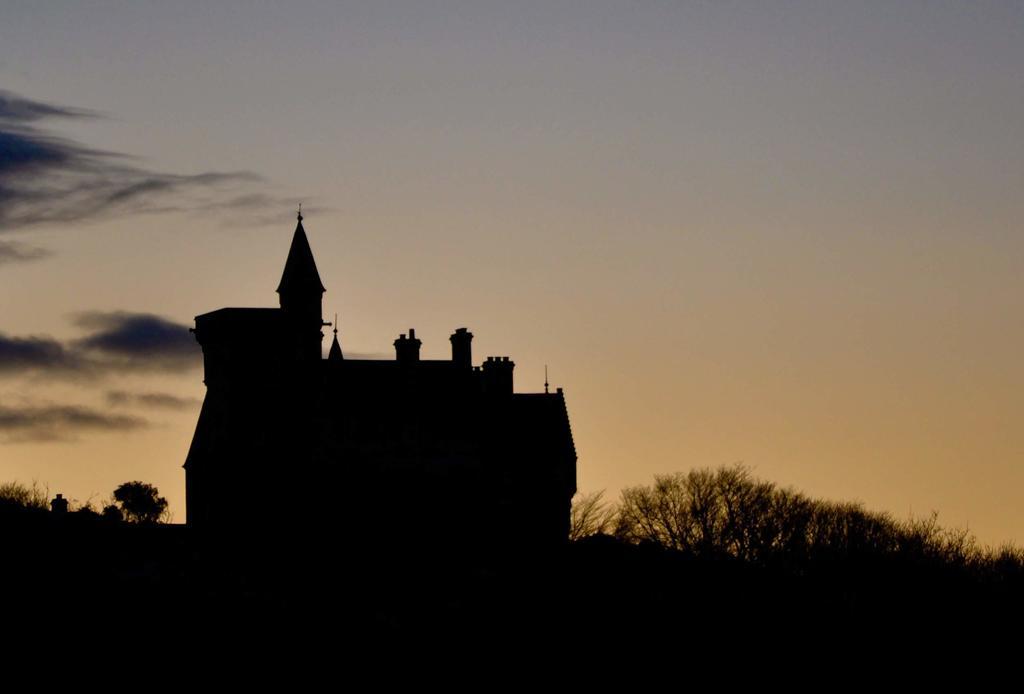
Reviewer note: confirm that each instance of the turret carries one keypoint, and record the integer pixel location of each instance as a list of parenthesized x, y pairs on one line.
[(301, 294)]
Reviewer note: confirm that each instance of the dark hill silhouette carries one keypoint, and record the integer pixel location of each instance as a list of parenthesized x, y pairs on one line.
[(849, 579)]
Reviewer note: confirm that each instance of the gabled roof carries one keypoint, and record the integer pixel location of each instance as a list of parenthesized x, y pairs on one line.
[(300, 269)]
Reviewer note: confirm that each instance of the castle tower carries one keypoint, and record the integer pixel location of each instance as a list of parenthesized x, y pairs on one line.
[(436, 438), (301, 294)]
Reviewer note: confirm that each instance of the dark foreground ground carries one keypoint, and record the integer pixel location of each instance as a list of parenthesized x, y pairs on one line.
[(96, 584)]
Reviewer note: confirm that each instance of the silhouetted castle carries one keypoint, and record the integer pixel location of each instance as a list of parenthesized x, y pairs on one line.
[(405, 449)]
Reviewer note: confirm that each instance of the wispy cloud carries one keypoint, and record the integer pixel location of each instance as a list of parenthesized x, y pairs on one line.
[(14, 252), (15, 109), (46, 179), (160, 401), (50, 422), (356, 356)]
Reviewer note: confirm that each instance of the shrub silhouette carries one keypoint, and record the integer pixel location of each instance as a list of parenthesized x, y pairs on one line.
[(112, 513), (139, 502), (16, 496)]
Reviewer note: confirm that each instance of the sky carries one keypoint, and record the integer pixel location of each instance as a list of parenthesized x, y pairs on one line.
[(787, 234)]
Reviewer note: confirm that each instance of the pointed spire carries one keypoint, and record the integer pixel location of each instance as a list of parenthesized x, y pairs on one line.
[(300, 273), (335, 353)]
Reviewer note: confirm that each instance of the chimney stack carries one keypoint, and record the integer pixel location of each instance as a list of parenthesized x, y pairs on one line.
[(407, 349), (59, 504), (498, 375), (462, 348)]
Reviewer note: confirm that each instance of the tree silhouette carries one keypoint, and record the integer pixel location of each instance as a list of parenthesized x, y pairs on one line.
[(729, 513), (140, 502), (590, 515)]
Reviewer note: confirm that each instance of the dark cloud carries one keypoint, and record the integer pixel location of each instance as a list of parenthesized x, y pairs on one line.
[(48, 422), (117, 342), (48, 179), (21, 354), (138, 340), (163, 401), (14, 252)]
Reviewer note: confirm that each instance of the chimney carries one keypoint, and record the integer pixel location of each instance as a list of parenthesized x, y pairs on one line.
[(59, 504), (498, 375), (407, 349), (462, 348)]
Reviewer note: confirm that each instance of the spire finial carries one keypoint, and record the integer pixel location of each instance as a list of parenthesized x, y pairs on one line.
[(335, 354), (545, 378), (300, 212)]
